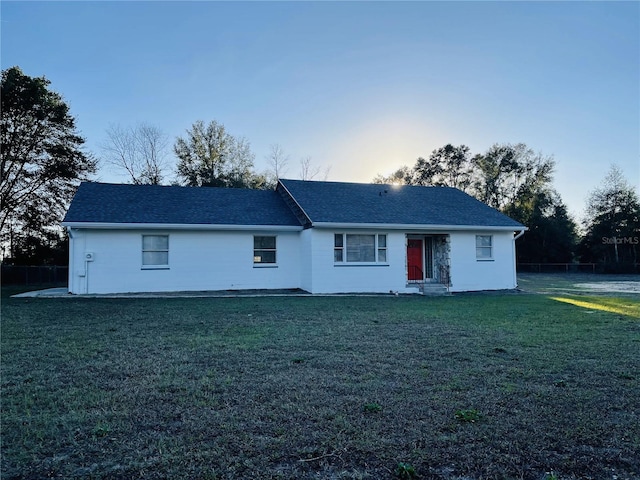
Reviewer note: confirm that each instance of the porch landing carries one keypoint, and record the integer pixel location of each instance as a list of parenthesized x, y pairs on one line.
[(430, 289)]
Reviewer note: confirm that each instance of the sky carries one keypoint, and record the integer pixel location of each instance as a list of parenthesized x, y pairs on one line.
[(361, 88)]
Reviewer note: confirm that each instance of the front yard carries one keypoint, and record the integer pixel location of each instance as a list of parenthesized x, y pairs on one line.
[(501, 386)]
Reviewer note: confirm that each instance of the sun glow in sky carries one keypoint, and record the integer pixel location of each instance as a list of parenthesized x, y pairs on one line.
[(362, 87)]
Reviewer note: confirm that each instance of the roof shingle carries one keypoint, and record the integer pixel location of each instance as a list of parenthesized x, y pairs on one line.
[(322, 202), (360, 203), (153, 204)]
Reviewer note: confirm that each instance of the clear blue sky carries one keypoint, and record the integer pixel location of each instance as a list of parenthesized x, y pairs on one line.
[(363, 87)]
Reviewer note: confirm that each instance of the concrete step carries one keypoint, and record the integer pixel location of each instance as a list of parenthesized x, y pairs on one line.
[(434, 289)]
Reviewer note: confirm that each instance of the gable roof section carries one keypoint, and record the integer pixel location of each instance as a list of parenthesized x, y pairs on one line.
[(104, 203), (338, 203), (294, 204)]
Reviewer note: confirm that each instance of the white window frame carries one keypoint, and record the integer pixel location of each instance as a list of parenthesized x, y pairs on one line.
[(484, 253), (380, 248), (154, 266), (260, 263)]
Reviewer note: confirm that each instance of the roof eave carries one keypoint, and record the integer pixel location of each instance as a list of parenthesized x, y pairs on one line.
[(178, 226), (294, 200), (421, 227)]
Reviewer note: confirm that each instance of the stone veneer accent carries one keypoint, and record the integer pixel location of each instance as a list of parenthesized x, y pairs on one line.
[(441, 250)]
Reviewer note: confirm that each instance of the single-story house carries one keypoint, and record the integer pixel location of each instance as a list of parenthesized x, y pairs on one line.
[(322, 237)]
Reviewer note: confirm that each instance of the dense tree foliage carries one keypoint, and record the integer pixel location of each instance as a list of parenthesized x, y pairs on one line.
[(447, 166), (509, 174), (211, 157), (41, 163), (552, 234), (612, 225)]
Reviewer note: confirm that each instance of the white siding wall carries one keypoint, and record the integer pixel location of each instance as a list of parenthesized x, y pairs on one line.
[(349, 278), (470, 274), (224, 260), (197, 261), (306, 260)]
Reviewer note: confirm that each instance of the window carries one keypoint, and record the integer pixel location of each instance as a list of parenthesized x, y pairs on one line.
[(357, 248), (155, 250), (484, 246), (382, 248), (264, 250), (361, 248), (338, 248)]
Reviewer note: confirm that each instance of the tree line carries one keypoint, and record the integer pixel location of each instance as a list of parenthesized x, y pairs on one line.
[(43, 160), (519, 182), (207, 156)]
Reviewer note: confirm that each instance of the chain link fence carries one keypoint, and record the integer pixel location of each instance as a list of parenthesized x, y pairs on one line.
[(34, 275), (579, 267)]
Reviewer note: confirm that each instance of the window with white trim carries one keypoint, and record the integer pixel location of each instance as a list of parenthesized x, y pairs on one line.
[(484, 247), (155, 250), (264, 250), (382, 248), (338, 247), (360, 248)]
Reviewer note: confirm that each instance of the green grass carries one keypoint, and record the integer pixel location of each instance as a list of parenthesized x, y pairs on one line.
[(275, 387)]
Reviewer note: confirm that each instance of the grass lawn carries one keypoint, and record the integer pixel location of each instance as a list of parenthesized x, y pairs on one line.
[(501, 386)]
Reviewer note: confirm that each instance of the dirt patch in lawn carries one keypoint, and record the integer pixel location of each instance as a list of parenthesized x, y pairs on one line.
[(610, 287)]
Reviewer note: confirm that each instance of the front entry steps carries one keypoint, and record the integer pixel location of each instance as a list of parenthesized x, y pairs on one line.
[(431, 289)]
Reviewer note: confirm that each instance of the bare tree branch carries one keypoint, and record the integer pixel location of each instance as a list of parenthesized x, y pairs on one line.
[(140, 151), (278, 160)]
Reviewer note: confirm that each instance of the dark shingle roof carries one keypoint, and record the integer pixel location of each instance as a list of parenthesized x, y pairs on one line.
[(355, 203), (113, 203), (322, 202)]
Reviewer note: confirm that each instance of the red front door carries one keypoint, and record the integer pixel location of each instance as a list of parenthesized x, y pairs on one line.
[(414, 259)]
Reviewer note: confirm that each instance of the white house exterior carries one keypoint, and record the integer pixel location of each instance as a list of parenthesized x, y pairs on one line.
[(321, 237)]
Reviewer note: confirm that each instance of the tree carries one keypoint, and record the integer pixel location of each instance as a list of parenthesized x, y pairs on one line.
[(612, 223), (278, 160), (510, 178), (552, 234), (502, 176), (402, 176), (211, 157), (309, 171), (507, 174), (42, 161), (141, 151), (448, 166)]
